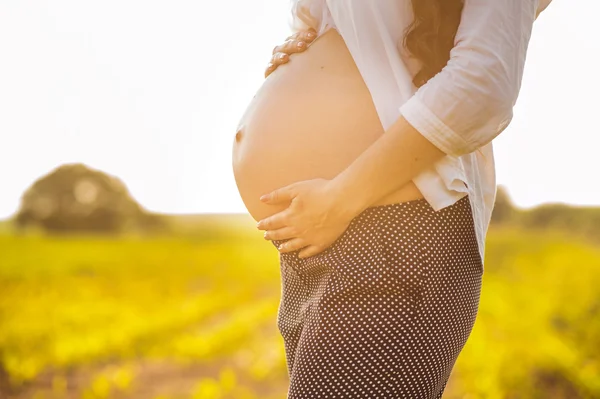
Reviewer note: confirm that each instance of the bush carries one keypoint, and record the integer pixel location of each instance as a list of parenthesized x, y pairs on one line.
[(77, 198)]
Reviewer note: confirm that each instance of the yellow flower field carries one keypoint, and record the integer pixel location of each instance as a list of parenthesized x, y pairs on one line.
[(194, 316)]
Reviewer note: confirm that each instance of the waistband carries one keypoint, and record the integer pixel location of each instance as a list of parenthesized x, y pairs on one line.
[(397, 210), (410, 222)]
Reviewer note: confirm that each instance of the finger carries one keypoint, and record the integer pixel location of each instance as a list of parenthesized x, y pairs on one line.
[(295, 35), (274, 222), (270, 68), (279, 58), (309, 251), (283, 194), (307, 35), (292, 46), (276, 60), (291, 245), (280, 47), (303, 33), (281, 234)]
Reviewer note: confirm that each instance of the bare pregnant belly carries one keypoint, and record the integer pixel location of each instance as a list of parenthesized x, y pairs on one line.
[(311, 118)]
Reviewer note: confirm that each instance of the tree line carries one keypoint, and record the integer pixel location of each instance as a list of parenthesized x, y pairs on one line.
[(77, 198)]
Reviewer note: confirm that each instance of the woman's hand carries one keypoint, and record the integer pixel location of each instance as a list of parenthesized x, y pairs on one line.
[(313, 220), (296, 43)]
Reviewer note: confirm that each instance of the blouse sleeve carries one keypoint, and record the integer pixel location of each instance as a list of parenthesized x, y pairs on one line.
[(470, 101), (304, 15)]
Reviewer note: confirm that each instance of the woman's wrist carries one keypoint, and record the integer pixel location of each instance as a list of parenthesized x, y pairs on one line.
[(396, 157), (347, 203)]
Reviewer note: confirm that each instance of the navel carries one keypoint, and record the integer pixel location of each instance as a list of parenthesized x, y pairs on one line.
[(238, 134)]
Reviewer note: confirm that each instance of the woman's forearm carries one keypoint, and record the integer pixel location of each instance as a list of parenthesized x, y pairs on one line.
[(397, 156), (463, 107)]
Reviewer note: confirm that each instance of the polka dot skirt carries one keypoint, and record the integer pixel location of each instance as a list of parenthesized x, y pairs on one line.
[(385, 310)]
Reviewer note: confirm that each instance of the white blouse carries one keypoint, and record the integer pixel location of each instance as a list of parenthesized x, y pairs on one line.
[(462, 108)]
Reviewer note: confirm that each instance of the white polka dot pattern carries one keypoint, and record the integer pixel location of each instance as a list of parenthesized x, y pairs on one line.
[(385, 310)]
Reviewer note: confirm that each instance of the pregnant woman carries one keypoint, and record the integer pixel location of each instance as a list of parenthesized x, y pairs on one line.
[(367, 160)]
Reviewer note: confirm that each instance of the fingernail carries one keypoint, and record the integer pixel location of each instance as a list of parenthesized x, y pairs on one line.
[(265, 235), (310, 35), (300, 44), (281, 56)]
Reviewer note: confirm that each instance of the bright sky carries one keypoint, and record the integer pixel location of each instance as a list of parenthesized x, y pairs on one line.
[(151, 91)]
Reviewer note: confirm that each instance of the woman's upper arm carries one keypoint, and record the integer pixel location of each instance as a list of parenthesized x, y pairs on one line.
[(470, 101)]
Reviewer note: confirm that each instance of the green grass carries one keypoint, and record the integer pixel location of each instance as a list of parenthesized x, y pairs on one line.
[(193, 316)]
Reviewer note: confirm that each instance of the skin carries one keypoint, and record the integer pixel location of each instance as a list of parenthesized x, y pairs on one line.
[(296, 43), (320, 210), (296, 127)]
